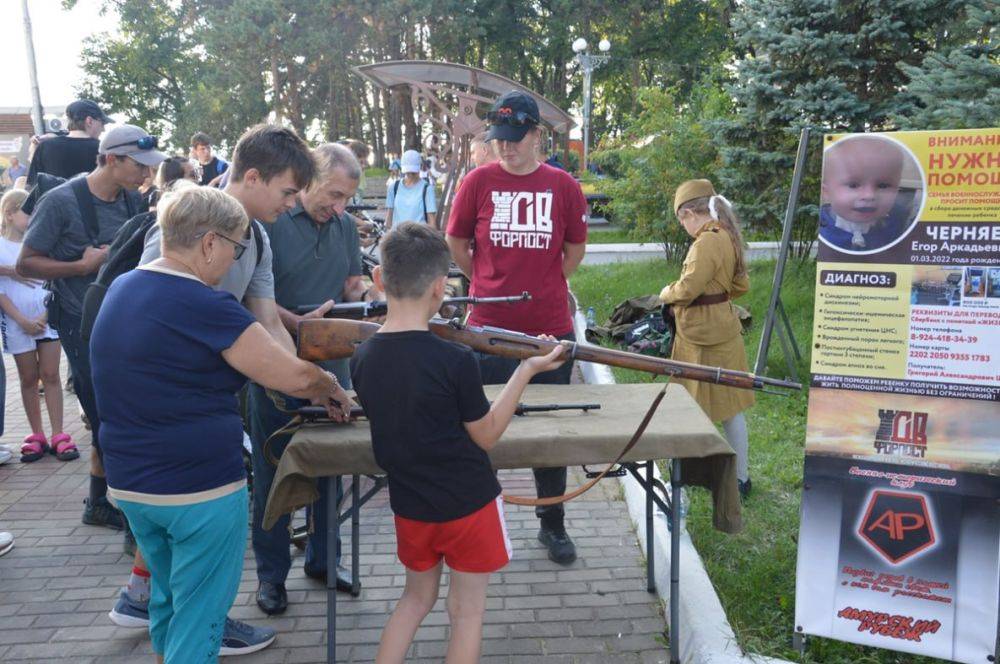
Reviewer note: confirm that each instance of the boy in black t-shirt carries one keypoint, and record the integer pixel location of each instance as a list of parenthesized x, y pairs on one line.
[(431, 428)]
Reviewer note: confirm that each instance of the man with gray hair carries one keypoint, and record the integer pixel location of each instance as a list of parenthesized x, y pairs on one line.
[(317, 259)]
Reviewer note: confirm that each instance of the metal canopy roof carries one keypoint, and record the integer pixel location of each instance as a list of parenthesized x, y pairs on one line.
[(406, 72)]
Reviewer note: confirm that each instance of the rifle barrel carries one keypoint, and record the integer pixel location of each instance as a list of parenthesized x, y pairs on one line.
[(378, 307), (319, 413), (514, 344)]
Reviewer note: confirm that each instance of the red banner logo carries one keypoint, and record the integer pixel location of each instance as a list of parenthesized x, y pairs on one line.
[(897, 525)]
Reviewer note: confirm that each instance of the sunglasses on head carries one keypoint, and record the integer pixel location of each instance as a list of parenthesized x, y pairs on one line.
[(512, 118), (144, 143)]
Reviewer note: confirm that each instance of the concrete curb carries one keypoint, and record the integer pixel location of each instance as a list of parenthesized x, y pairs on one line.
[(602, 254), (706, 635)]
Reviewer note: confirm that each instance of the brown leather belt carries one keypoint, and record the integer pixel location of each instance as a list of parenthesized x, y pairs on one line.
[(714, 298)]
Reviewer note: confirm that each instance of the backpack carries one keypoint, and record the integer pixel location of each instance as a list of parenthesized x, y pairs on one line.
[(653, 334), (423, 195), (124, 255)]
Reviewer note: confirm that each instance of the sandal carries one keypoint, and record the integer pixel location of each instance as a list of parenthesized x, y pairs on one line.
[(63, 447), (34, 447)]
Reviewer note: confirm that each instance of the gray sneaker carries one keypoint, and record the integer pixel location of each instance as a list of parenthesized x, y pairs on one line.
[(129, 613), (240, 638)]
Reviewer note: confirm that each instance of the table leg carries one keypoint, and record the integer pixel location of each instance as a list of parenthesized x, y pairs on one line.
[(675, 560), (650, 553), (332, 528), (355, 535)]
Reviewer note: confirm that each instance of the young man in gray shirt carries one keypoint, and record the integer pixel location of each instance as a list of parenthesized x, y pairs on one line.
[(66, 244)]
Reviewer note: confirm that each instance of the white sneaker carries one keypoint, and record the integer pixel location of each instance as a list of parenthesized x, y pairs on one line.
[(6, 542), (5, 455)]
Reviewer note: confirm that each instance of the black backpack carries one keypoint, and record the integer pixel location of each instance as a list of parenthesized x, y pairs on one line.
[(124, 255)]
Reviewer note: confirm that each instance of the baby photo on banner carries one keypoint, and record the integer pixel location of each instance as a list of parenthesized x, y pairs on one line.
[(899, 543)]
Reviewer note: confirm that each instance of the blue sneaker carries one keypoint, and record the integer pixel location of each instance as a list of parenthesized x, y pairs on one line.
[(240, 638), (129, 613)]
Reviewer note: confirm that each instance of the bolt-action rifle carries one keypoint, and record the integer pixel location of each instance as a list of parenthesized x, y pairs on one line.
[(359, 310), (311, 413), (334, 339)]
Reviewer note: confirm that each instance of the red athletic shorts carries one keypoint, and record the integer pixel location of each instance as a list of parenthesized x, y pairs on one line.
[(476, 543)]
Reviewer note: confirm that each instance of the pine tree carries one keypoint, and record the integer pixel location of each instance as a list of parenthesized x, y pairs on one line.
[(831, 65), (960, 88)]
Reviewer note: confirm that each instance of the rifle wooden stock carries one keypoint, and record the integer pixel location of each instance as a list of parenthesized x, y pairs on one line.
[(329, 339)]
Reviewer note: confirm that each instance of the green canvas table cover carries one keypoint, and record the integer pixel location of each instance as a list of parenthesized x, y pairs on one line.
[(678, 430)]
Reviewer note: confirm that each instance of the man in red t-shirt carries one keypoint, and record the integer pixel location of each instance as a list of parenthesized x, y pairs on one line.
[(520, 225)]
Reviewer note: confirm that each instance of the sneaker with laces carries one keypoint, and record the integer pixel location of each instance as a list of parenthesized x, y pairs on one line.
[(100, 512), (558, 542), (129, 613), (240, 638)]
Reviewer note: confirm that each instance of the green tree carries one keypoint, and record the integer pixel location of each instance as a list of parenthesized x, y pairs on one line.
[(960, 88), (834, 66), (666, 144)]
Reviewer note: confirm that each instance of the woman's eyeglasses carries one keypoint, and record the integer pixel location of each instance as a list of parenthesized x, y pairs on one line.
[(238, 247), (512, 118)]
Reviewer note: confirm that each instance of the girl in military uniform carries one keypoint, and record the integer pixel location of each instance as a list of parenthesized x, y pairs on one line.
[(708, 328)]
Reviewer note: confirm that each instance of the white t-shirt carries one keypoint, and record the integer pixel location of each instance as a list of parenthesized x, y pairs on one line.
[(29, 300)]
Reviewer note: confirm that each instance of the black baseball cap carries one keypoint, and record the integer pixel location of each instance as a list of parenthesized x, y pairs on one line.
[(512, 116), (82, 109)]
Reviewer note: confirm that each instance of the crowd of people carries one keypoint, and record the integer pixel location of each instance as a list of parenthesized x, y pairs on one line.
[(171, 293)]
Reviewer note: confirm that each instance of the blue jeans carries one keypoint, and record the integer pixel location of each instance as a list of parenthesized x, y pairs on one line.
[(270, 547), (496, 370), (195, 556), (78, 354)]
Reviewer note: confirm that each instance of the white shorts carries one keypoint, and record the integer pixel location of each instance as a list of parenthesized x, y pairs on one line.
[(17, 341)]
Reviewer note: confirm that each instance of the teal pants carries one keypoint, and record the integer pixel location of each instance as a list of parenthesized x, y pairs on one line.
[(195, 557)]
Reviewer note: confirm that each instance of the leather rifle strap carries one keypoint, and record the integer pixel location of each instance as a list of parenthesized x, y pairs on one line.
[(556, 500)]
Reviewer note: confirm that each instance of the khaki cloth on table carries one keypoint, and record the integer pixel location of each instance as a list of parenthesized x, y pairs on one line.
[(539, 440), (710, 334)]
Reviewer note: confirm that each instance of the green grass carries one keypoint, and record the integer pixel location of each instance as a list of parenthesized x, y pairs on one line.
[(754, 571), (376, 173), (616, 236)]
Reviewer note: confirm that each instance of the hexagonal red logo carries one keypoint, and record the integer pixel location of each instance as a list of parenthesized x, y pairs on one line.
[(897, 525)]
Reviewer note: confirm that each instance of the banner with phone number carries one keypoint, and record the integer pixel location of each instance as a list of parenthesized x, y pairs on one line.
[(899, 543)]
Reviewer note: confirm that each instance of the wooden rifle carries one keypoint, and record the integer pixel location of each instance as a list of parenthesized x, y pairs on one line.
[(329, 339), (359, 310), (313, 413)]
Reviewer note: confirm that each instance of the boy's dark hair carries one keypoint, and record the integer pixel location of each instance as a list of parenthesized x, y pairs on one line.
[(201, 138), (171, 169), (413, 256), (272, 150)]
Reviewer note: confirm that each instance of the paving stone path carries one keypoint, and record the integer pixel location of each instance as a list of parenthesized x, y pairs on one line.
[(61, 579)]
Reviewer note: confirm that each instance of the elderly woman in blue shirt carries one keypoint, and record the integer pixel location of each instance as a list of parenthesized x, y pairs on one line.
[(169, 353)]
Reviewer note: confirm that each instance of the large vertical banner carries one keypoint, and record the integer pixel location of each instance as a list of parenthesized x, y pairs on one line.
[(900, 535)]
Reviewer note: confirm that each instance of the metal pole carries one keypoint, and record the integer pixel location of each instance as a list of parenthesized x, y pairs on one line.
[(36, 97), (650, 552), (675, 561), (355, 535), (588, 68), (332, 529), (786, 237)]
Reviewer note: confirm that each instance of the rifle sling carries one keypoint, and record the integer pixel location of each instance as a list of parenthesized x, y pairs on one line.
[(556, 500)]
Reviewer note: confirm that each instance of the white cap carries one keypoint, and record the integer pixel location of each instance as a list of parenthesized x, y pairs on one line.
[(410, 163)]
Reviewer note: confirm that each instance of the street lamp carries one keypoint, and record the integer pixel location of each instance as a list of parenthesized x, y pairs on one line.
[(588, 63)]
